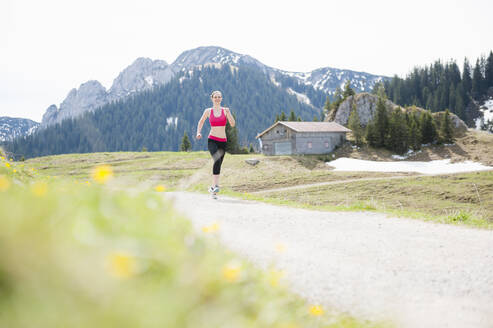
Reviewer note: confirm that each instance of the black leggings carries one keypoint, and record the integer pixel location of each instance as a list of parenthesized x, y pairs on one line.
[(217, 150)]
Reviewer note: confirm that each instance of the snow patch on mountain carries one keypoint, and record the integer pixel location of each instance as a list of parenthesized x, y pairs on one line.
[(300, 96), (273, 80), (149, 80), (11, 128), (171, 122)]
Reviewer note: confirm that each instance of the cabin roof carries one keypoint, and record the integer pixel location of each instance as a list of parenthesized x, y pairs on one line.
[(308, 127)]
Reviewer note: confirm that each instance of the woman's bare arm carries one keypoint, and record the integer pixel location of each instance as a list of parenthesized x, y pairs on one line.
[(230, 117), (201, 122)]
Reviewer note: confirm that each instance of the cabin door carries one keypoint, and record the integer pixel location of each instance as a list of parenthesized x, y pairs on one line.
[(282, 148)]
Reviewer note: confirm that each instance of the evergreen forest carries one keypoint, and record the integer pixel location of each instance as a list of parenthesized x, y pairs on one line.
[(443, 86), (158, 119)]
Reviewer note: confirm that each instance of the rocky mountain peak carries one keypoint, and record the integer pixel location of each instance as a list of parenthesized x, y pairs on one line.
[(145, 73), (213, 54), (89, 96), (142, 74)]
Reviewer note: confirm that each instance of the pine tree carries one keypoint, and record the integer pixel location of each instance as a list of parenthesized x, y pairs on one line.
[(381, 121), (446, 130), (315, 118), (376, 87), (414, 133), (451, 99), (428, 128), (489, 70), (282, 117), (277, 118), (398, 136), (355, 125), (232, 145), (371, 134), (186, 145), (337, 99), (466, 77), (347, 90), (292, 116), (326, 108), (477, 81)]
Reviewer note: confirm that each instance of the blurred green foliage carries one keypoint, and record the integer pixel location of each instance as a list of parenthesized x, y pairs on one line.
[(78, 254)]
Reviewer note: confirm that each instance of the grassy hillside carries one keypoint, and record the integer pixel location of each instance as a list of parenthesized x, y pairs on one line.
[(75, 253), (475, 146), (458, 199)]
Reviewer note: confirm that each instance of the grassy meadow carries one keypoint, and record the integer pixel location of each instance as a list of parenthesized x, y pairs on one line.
[(85, 244), (454, 199), (89, 239)]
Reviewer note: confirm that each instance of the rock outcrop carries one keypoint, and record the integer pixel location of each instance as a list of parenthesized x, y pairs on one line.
[(89, 96), (366, 105), (142, 74)]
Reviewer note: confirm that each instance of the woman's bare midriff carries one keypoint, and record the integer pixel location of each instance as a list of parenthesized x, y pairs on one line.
[(218, 131)]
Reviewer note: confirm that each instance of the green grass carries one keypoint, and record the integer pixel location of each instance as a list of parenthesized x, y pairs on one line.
[(132, 168), (78, 255), (453, 199), (438, 199), (276, 172)]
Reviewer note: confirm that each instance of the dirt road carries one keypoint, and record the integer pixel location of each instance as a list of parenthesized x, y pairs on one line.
[(414, 273)]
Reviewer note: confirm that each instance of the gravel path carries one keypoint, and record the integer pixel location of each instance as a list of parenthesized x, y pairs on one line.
[(415, 273)]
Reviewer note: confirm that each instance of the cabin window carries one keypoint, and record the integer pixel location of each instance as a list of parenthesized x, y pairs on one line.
[(309, 145), (326, 144)]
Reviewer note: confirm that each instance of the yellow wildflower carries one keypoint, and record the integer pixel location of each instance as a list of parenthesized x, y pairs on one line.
[(280, 247), (88, 183), (214, 227), (7, 164), (231, 272), (121, 265), (160, 188), (274, 277), (316, 310), (102, 173), (14, 171), (211, 228), (39, 188), (4, 183)]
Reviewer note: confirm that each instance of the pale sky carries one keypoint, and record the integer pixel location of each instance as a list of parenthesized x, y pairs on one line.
[(49, 47)]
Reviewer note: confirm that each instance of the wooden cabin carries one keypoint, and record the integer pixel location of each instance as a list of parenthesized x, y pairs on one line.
[(296, 138)]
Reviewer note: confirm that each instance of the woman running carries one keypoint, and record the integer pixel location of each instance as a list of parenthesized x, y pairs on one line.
[(216, 142)]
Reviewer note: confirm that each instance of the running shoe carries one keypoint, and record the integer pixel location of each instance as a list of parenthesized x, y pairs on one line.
[(216, 189)]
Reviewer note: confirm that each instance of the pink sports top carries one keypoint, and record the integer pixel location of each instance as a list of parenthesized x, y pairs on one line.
[(217, 121)]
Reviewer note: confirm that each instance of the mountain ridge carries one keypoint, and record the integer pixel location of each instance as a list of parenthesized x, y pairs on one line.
[(13, 127), (145, 73)]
